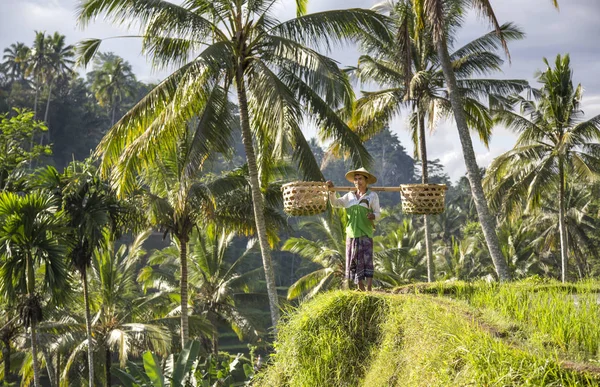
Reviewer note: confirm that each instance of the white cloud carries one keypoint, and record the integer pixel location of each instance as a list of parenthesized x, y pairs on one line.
[(574, 29)]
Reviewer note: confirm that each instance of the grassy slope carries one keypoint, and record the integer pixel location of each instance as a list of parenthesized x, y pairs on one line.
[(351, 339)]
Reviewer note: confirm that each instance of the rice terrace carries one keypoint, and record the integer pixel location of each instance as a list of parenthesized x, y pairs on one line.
[(299, 193)]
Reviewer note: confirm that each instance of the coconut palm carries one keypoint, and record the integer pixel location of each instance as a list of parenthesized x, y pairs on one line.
[(580, 224), (112, 82), (274, 67), (412, 79), (60, 62), (178, 200), (39, 64), (555, 147), (433, 17), (15, 58), (324, 245), (31, 239), (214, 281)]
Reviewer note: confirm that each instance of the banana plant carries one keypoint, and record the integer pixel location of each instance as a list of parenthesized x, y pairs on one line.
[(178, 373)]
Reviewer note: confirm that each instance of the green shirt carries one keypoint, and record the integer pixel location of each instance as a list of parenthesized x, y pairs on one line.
[(357, 209)]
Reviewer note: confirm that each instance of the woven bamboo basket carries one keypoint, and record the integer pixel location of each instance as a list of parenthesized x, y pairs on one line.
[(303, 198), (423, 199)]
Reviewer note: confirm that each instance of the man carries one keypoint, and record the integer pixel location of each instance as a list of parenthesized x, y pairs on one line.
[(362, 209)]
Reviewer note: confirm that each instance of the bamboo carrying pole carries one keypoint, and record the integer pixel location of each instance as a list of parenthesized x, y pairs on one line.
[(384, 189)]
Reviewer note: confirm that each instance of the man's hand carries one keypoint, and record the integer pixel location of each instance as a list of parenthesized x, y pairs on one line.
[(329, 184), (371, 216)]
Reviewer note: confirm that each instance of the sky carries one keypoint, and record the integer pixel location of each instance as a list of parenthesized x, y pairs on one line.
[(574, 30)]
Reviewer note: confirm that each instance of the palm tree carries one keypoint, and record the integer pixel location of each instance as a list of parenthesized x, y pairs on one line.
[(91, 208), (124, 321), (276, 74), (580, 223), (215, 278), (325, 246), (398, 255), (433, 17), (555, 147), (412, 78), (112, 82), (59, 62), (39, 64), (9, 331), (177, 200), (15, 58), (30, 240)]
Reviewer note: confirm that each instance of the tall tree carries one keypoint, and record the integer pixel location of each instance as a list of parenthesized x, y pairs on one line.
[(215, 278), (92, 210), (412, 79), (39, 65), (112, 82), (274, 71), (31, 239), (125, 322), (59, 66), (16, 58), (555, 147), (432, 15)]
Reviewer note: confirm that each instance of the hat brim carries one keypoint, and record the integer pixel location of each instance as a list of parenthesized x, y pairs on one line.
[(371, 179)]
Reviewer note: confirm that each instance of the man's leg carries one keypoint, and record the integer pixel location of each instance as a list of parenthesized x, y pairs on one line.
[(361, 286), (369, 284)]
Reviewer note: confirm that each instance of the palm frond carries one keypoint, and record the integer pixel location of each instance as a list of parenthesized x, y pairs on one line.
[(309, 283), (323, 29)]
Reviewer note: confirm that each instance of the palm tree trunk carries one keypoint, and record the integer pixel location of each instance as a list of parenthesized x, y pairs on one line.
[(88, 328), (425, 180), (48, 109), (58, 368), (49, 366), (6, 358), (34, 351), (48, 102), (30, 293), (564, 252), (215, 334), (473, 174), (257, 199), (112, 117), (35, 101), (183, 288), (107, 364)]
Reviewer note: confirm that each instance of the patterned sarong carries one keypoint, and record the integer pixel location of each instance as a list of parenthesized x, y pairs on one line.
[(359, 258)]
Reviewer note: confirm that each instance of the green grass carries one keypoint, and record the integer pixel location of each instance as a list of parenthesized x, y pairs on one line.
[(557, 317), (481, 335)]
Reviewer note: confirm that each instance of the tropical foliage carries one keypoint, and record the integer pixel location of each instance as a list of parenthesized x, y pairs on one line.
[(166, 258)]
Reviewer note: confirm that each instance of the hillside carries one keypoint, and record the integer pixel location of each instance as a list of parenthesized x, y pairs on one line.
[(522, 334)]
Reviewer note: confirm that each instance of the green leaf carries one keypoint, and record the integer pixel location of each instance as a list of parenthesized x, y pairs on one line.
[(124, 377), (152, 367), (301, 7), (185, 360), (136, 372), (86, 50)]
